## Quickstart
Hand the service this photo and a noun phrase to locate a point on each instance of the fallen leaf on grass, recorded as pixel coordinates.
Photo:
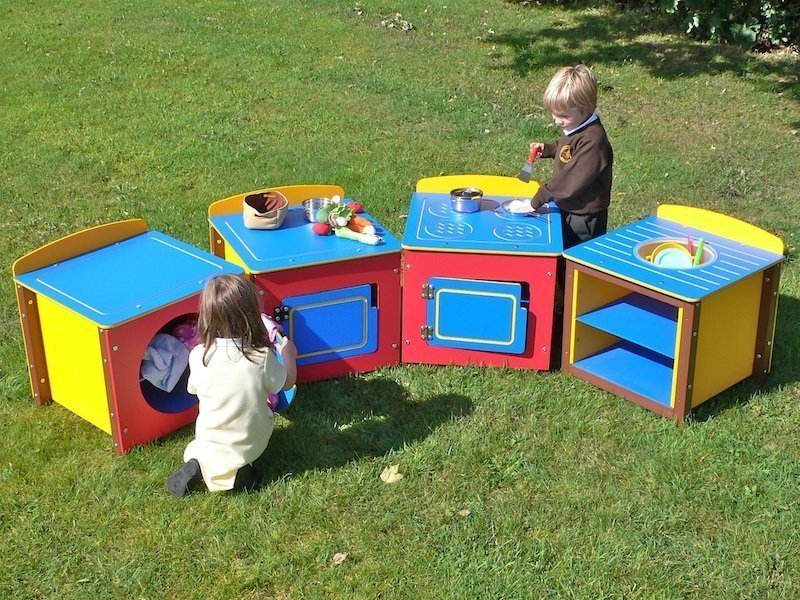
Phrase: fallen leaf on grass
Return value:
(464, 512)
(390, 474)
(339, 557)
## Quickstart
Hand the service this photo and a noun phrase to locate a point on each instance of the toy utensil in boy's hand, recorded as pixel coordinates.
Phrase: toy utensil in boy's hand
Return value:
(525, 173)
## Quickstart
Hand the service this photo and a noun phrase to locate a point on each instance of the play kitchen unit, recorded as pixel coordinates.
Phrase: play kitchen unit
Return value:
(668, 331)
(91, 304)
(337, 299)
(479, 278)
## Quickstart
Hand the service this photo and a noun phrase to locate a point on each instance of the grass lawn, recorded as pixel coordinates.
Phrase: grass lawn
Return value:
(515, 484)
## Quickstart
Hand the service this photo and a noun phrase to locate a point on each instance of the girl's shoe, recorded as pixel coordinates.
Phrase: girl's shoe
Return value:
(185, 479)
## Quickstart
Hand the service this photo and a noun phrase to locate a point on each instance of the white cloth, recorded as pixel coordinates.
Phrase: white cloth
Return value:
(164, 361)
(234, 423)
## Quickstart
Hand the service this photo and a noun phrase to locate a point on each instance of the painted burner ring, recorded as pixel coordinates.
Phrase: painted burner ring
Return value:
(448, 230)
(517, 232)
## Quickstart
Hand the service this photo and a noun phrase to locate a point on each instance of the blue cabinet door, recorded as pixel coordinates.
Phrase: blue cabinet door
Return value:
(332, 324)
(476, 315)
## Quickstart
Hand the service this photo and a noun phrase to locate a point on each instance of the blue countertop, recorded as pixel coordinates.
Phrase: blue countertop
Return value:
(616, 253)
(294, 244)
(127, 279)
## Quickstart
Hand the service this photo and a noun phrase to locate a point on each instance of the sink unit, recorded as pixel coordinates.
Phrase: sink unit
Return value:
(671, 338)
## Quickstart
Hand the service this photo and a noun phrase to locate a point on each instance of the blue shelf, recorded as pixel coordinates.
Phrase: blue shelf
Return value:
(633, 367)
(642, 320)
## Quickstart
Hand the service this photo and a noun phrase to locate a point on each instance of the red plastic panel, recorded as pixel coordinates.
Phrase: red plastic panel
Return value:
(133, 420)
(383, 272)
(539, 272)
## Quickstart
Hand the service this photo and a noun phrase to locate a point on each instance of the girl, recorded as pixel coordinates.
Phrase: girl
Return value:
(231, 371)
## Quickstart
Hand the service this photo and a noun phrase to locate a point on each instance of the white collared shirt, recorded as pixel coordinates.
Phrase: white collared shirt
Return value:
(591, 119)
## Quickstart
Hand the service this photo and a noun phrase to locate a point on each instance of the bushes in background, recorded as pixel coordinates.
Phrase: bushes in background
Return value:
(751, 23)
(762, 24)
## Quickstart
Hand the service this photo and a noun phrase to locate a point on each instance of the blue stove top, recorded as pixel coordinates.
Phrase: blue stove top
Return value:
(433, 225)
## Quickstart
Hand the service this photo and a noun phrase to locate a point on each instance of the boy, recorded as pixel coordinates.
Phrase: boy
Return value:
(581, 182)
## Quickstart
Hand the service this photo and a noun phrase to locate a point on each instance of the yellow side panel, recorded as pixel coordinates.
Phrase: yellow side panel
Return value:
(591, 293)
(232, 256)
(678, 357)
(726, 338)
(492, 185)
(295, 194)
(74, 362)
(722, 225)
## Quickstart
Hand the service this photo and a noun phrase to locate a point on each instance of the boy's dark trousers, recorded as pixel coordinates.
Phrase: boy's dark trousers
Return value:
(582, 228)
(577, 229)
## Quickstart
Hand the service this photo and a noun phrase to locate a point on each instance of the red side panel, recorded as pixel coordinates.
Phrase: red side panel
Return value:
(134, 420)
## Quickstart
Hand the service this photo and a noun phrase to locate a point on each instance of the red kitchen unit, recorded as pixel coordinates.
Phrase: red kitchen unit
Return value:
(338, 300)
(91, 303)
(479, 288)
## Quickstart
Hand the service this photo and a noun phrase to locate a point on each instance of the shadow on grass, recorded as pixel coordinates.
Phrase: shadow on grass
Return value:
(785, 366)
(610, 36)
(338, 421)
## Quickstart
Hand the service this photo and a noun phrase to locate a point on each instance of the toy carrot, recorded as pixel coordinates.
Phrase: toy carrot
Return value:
(361, 225)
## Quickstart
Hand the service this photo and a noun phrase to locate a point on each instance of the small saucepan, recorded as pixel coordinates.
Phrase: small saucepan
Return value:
(466, 200)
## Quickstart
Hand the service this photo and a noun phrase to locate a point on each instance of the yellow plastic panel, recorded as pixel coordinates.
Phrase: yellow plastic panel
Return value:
(587, 341)
(726, 338)
(232, 256)
(678, 357)
(722, 225)
(591, 293)
(295, 194)
(492, 185)
(79, 243)
(74, 362)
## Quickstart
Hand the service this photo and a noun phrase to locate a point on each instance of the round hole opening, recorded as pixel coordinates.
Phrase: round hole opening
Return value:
(674, 253)
(164, 371)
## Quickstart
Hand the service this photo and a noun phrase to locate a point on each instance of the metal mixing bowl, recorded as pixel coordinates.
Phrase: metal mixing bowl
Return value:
(312, 205)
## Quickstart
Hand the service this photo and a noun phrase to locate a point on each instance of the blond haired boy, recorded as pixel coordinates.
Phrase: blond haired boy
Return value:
(581, 182)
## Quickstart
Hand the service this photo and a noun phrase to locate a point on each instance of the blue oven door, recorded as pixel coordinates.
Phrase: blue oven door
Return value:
(476, 315)
(332, 324)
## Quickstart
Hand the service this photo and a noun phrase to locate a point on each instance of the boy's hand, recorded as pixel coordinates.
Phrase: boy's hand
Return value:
(539, 146)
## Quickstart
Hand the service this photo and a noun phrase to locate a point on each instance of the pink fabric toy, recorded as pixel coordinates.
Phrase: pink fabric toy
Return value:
(273, 329)
(187, 333)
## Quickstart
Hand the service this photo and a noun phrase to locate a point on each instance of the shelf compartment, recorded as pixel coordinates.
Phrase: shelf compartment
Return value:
(640, 319)
(634, 368)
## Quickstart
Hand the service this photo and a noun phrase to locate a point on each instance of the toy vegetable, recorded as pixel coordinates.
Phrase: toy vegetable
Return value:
(342, 220)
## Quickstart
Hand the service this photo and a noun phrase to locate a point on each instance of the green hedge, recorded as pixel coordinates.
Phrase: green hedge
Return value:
(763, 24)
(751, 23)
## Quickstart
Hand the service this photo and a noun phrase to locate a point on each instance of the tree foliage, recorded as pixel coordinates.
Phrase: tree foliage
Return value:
(763, 24)
(751, 23)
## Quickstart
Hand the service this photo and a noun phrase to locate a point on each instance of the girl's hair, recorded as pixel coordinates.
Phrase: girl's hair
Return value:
(229, 308)
(571, 87)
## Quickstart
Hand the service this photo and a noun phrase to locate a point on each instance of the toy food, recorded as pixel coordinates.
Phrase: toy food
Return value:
(341, 219)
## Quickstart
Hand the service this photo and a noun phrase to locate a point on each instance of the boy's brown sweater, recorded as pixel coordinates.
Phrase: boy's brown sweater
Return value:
(581, 182)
